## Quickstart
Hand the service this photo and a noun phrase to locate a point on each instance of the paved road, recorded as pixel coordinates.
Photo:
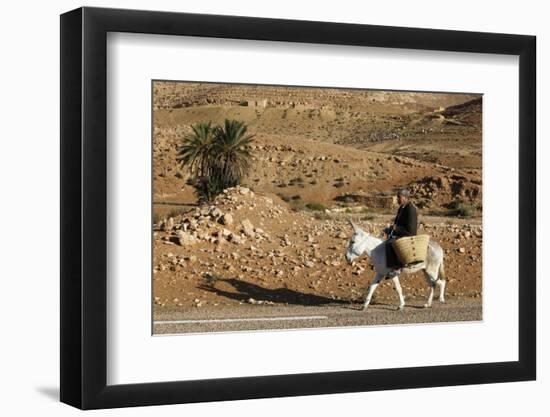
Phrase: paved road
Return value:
(254, 317)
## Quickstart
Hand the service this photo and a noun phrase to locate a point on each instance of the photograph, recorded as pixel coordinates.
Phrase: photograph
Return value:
(288, 207)
(272, 209)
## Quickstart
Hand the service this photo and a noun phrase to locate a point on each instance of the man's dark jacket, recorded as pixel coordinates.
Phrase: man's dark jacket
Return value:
(406, 220)
(405, 225)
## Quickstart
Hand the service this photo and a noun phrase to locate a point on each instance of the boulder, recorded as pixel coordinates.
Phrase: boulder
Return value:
(247, 228)
(193, 224)
(185, 239)
(167, 225)
(191, 259)
(226, 219)
(234, 238)
(215, 213)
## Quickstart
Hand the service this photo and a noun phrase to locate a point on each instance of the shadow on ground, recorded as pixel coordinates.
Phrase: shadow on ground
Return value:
(246, 290)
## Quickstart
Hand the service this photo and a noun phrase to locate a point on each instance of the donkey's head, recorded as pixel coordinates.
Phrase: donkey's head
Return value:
(356, 245)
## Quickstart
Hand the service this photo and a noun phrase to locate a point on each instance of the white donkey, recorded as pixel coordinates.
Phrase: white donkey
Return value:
(361, 242)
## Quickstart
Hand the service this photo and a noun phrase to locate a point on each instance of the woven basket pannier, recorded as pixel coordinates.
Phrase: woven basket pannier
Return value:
(411, 249)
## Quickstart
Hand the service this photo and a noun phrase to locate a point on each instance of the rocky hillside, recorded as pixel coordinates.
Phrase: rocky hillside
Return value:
(252, 248)
(304, 171)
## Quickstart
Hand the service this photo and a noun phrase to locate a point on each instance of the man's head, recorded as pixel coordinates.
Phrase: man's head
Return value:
(403, 195)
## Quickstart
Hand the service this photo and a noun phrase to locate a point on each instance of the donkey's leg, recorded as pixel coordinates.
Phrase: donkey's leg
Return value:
(441, 283)
(372, 287)
(431, 286)
(397, 286)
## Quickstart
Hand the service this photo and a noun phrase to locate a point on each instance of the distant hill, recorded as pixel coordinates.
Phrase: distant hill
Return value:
(174, 95)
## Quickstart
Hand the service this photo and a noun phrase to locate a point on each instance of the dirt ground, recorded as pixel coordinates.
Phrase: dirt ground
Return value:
(270, 254)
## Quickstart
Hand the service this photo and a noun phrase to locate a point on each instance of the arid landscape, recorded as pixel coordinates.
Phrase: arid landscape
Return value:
(276, 242)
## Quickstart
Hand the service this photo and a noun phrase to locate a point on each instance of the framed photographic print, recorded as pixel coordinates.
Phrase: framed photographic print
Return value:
(260, 207)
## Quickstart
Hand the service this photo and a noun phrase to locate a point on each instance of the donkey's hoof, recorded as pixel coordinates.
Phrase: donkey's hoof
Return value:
(401, 307)
(365, 308)
(427, 305)
(442, 301)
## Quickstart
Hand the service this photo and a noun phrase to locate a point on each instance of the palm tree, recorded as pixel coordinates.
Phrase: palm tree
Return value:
(218, 157)
(231, 152)
(196, 150)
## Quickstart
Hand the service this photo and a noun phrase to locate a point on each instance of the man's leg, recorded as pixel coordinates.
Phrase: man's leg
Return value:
(392, 260)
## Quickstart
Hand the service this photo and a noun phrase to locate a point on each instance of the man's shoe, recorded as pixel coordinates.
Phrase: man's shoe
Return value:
(394, 272)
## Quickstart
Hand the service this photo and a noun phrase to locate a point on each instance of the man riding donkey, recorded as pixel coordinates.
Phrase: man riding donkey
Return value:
(386, 262)
(405, 224)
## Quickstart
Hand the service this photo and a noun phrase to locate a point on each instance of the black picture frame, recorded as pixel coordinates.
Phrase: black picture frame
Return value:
(84, 207)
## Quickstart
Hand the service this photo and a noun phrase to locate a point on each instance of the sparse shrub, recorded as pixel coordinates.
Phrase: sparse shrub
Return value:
(176, 212)
(296, 197)
(348, 199)
(321, 216)
(462, 209)
(297, 205)
(422, 203)
(339, 184)
(156, 218)
(465, 210)
(316, 206)
(284, 197)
